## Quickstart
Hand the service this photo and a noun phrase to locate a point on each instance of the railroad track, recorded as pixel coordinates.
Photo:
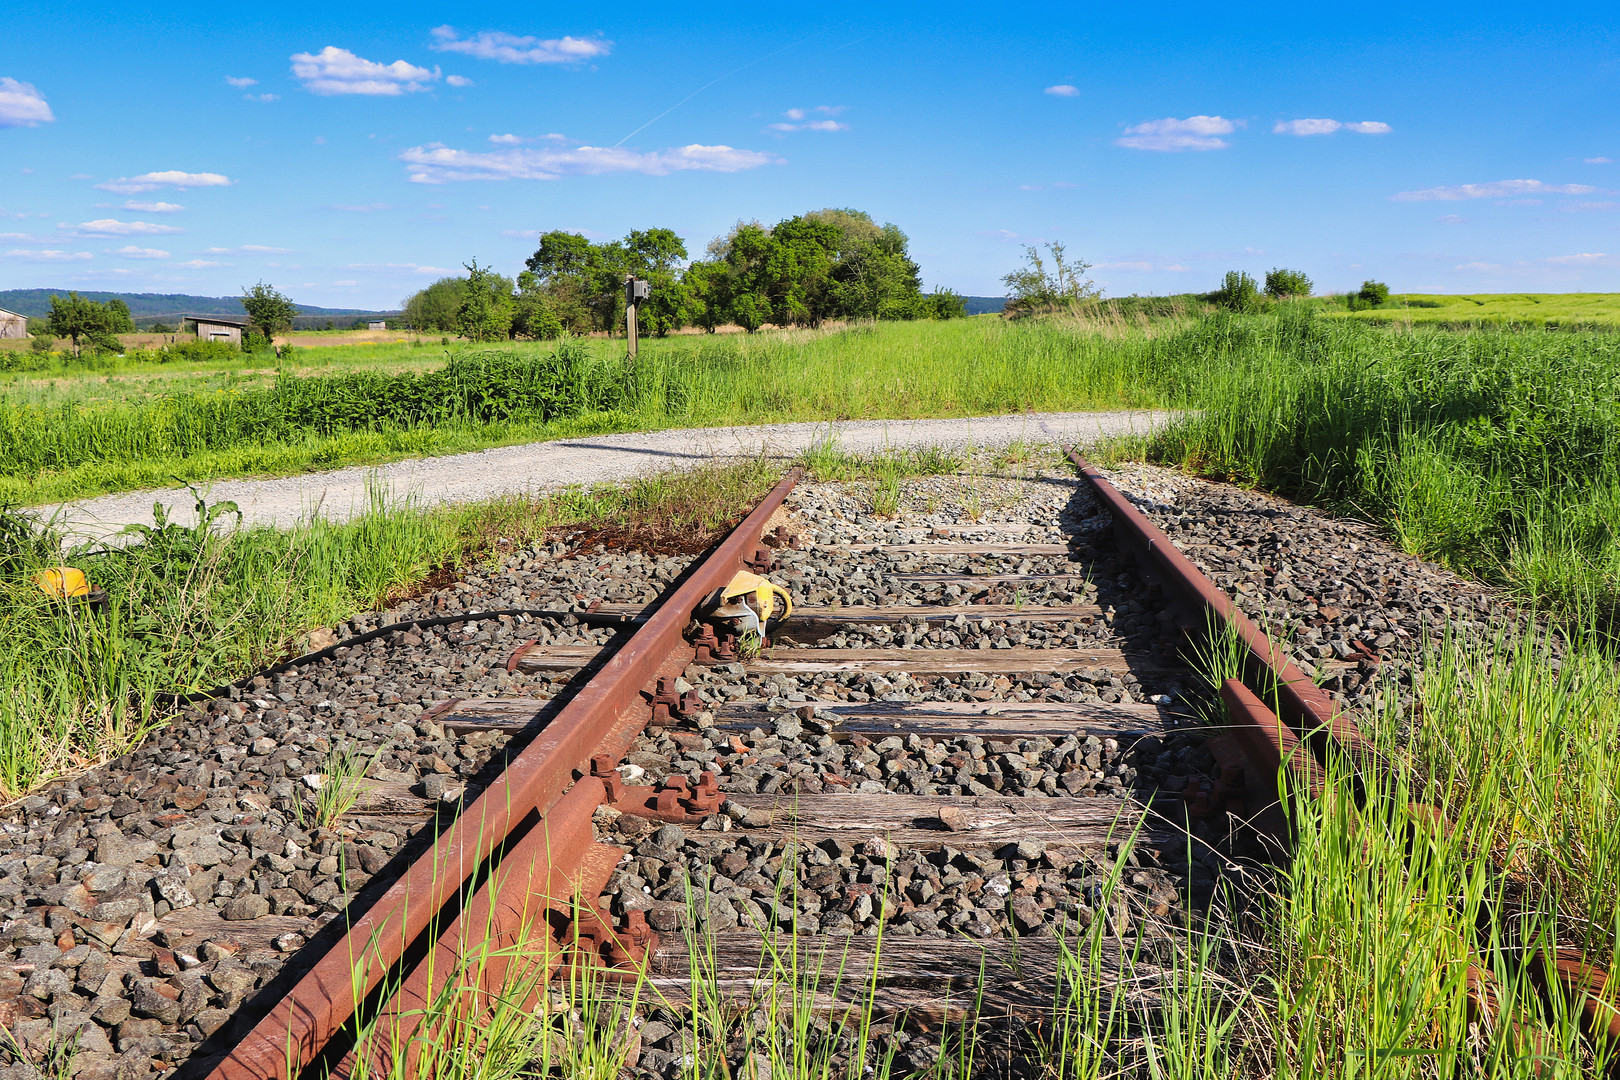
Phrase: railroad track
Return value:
(987, 739)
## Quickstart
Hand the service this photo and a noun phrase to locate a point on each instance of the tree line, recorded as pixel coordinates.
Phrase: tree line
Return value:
(802, 271)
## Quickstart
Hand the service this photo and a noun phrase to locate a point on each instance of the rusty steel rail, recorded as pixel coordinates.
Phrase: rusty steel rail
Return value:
(549, 865)
(1262, 748)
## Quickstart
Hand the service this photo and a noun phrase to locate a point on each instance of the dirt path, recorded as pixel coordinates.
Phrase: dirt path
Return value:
(540, 466)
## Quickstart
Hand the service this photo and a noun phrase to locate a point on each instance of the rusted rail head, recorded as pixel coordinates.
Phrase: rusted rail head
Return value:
(603, 718)
(1299, 699)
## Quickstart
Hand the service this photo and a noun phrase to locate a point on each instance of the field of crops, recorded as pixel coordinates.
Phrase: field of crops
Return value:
(1555, 311)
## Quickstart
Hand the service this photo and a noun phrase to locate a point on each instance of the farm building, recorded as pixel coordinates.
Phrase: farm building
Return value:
(13, 325)
(219, 328)
(379, 324)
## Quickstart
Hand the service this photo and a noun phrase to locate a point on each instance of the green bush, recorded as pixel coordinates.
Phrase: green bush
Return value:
(1373, 292)
(199, 349)
(1238, 292)
(1282, 283)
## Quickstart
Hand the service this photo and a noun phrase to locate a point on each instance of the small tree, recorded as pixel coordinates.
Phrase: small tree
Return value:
(78, 320)
(1238, 292)
(1034, 287)
(1283, 284)
(486, 307)
(268, 311)
(1373, 292)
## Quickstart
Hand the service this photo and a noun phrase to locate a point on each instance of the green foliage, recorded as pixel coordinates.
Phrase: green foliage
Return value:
(197, 349)
(40, 344)
(1238, 292)
(486, 305)
(253, 342)
(269, 312)
(118, 318)
(1283, 284)
(161, 328)
(82, 320)
(436, 307)
(1373, 292)
(1035, 287)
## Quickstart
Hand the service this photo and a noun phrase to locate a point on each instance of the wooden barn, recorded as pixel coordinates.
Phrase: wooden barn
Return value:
(219, 328)
(13, 325)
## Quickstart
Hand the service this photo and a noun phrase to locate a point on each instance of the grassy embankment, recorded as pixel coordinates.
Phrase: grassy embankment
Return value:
(62, 437)
(1551, 311)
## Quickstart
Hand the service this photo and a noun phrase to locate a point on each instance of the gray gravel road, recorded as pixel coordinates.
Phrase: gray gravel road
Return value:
(342, 493)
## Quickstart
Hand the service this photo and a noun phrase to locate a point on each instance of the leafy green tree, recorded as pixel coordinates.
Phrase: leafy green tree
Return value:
(946, 304)
(436, 307)
(78, 320)
(1038, 287)
(486, 308)
(532, 314)
(118, 317)
(1373, 292)
(707, 291)
(165, 328)
(1238, 292)
(268, 311)
(1281, 284)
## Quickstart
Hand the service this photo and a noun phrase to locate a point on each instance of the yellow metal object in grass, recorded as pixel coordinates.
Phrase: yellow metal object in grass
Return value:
(63, 583)
(752, 600)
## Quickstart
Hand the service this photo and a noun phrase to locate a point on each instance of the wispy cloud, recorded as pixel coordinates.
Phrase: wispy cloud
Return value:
(803, 120)
(1172, 135)
(240, 83)
(153, 207)
(49, 256)
(362, 208)
(458, 80)
(199, 264)
(1587, 207)
(21, 105)
(261, 97)
(334, 71)
(436, 164)
(519, 140)
(1499, 189)
(130, 185)
(1328, 127)
(1062, 90)
(407, 268)
(519, 49)
(111, 227)
(1598, 161)
(1582, 258)
(1451, 219)
(249, 249)
(130, 251)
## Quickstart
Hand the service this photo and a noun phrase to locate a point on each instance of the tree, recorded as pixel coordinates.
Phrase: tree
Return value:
(118, 317)
(1033, 287)
(81, 320)
(1373, 292)
(486, 307)
(268, 311)
(1282, 284)
(1238, 292)
(436, 307)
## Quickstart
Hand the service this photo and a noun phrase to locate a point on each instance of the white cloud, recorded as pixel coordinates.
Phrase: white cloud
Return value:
(261, 97)
(507, 140)
(335, 71)
(347, 283)
(1451, 219)
(250, 249)
(1062, 90)
(130, 251)
(1478, 266)
(1598, 161)
(110, 227)
(515, 49)
(1142, 267)
(1499, 189)
(1170, 134)
(801, 122)
(199, 264)
(240, 83)
(435, 164)
(1328, 127)
(1599, 205)
(1578, 259)
(1306, 127)
(48, 256)
(153, 207)
(409, 268)
(458, 80)
(21, 105)
(363, 208)
(130, 185)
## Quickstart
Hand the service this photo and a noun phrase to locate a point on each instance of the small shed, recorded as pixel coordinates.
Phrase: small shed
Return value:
(13, 325)
(219, 328)
(377, 324)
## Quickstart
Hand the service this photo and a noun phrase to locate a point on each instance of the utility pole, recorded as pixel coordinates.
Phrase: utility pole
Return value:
(635, 290)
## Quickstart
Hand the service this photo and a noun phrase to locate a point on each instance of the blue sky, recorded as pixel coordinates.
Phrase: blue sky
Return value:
(351, 154)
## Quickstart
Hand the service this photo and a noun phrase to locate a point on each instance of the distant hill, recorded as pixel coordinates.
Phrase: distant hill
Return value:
(976, 305)
(148, 308)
